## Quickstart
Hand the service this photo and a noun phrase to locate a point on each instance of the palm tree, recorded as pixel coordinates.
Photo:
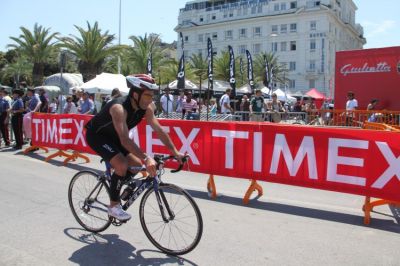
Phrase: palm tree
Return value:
(20, 69)
(199, 66)
(221, 66)
(279, 71)
(91, 48)
(37, 47)
(143, 46)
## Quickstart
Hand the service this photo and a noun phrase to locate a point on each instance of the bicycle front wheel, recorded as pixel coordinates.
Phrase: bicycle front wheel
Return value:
(88, 198)
(171, 219)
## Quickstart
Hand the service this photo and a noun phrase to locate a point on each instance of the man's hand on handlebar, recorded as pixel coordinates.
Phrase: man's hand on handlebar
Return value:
(151, 166)
(180, 157)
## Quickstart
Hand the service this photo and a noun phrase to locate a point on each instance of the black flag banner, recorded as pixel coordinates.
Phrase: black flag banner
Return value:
(210, 71)
(150, 64)
(266, 75)
(241, 66)
(250, 75)
(181, 38)
(232, 79)
(181, 73)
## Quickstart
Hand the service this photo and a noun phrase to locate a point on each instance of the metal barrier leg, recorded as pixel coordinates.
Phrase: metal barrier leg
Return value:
(212, 190)
(369, 206)
(253, 187)
(58, 153)
(75, 155)
(33, 148)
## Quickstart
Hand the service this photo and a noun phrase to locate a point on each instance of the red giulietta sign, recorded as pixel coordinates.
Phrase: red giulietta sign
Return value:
(370, 74)
(354, 161)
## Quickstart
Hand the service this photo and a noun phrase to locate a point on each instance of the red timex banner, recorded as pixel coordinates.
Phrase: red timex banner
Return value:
(370, 74)
(354, 161)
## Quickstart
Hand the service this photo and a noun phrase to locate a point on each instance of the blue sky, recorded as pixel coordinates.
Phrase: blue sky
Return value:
(381, 20)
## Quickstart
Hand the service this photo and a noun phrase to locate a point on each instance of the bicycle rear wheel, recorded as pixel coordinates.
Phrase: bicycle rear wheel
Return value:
(88, 198)
(180, 229)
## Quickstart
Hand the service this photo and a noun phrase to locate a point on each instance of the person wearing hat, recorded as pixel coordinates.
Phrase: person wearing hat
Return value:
(4, 110)
(17, 110)
(87, 105)
(33, 105)
(167, 102)
(351, 105)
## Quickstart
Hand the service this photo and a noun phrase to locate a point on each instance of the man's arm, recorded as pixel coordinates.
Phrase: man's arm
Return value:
(39, 103)
(165, 139)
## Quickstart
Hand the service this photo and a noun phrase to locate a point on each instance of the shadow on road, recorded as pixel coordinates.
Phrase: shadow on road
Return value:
(380, 224)
(109, 249)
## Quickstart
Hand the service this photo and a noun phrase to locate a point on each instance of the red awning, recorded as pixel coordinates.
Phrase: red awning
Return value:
(314, 93)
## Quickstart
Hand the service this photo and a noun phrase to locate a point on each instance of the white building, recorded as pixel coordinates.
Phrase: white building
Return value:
(305, 34)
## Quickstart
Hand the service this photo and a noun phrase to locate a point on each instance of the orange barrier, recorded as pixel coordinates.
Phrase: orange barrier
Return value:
(69, 157)
(355, 118)
(33, 148)
(254, 186)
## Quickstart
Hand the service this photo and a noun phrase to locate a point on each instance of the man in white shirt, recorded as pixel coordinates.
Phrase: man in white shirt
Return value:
(167, 102)
(351, 105)
(225, 102)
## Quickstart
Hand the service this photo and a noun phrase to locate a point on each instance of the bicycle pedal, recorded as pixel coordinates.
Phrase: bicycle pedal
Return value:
(117, 222)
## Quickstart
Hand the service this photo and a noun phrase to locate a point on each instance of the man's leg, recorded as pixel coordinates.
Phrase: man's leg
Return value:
(120, 165)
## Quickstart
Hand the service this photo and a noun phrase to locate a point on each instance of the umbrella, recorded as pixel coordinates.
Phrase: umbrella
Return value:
(314, 93)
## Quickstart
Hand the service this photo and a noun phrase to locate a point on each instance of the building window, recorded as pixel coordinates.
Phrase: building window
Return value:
(242, 33)
(225, 14)
(257, 31)
(283, 28)
(313, 45)
(274, 28)
(215, 36)
(253, 9)
(259, 9)
(293, 27)
(186, 38)
(228, 35)
(274, 46)
(200, 52)
(201, 19)
(313, 25)
(200, 37)
(276, 7)
(244, 11)
(293, 4)
(283, 6)
(312, 83)
(206, 36)
(242, 49)
(311, 66)
(292, 84)
(256, 48)
(293, 46)
(231, 14)
(292, 66)
(214, 17)
(283, 46)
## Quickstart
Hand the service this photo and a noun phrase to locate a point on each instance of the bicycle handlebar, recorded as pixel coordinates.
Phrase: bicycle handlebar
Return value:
(162, 158)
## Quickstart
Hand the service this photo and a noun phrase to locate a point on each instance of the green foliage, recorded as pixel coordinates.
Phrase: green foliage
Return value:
(36, 46)
(92, 48)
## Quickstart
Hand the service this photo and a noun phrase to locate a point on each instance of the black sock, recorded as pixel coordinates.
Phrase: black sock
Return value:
(115, 187)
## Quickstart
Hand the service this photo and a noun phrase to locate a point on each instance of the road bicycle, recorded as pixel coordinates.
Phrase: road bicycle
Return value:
(169, 216)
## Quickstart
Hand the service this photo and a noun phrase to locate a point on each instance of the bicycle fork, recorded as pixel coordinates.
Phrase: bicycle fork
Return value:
(162, 201)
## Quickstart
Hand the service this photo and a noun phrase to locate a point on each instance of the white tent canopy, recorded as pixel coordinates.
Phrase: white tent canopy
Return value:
(219, 86)
(67, 81)
(189, 85)
(284, 97)
(105, 83)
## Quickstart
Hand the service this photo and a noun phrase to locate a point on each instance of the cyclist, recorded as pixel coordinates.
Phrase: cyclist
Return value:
(108, 135)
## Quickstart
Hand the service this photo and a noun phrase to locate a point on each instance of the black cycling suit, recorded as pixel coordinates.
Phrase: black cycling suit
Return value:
(101, 135)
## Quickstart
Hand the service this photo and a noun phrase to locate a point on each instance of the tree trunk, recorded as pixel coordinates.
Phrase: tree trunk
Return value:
(88, 71)
(37, 74)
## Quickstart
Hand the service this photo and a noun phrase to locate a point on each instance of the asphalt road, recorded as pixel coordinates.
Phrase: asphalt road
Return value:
(286, 226)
